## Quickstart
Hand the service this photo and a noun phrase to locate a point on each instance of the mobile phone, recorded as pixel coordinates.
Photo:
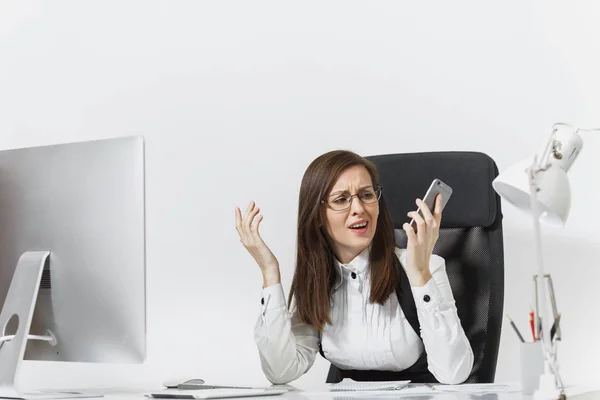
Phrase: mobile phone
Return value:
(436, 187)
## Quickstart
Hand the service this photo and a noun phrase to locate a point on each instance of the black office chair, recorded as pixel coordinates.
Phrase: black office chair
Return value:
(470, 238)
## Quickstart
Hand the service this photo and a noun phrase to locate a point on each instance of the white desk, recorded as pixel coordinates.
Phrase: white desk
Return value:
(575, 393)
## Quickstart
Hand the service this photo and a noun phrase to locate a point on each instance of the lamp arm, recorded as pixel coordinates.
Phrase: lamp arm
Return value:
(540, 318)
(541, 321)
(589, 130)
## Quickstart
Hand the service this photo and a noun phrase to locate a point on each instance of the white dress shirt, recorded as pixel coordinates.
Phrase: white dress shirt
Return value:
(365, 336)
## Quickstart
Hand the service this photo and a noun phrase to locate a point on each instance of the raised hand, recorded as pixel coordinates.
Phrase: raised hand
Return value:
(247, 227)
(420, 243)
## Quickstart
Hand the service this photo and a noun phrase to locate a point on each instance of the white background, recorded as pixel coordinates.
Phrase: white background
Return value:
(235, 99)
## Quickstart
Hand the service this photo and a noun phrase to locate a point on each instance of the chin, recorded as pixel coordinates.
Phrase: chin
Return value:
(360, 244)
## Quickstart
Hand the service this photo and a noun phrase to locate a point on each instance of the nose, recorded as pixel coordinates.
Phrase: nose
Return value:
(356, 207)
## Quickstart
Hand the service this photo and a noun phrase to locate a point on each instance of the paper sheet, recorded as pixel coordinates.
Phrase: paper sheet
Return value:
(350, 385)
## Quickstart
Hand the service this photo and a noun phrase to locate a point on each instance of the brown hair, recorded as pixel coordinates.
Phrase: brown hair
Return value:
(316, 273)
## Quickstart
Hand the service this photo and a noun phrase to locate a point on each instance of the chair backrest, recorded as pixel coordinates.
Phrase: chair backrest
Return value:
(470, 238)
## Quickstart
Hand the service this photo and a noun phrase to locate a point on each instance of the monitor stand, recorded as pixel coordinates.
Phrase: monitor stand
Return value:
(17, 315)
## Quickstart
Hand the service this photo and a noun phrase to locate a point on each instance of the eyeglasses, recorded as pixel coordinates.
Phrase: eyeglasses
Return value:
(342, 201)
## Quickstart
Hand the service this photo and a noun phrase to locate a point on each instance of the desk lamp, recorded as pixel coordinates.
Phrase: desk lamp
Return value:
(539, 185)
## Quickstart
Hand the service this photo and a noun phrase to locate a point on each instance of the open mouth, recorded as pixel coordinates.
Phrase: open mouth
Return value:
(359, 226)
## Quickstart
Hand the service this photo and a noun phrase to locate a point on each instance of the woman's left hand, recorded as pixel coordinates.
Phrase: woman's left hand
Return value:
(420, 243)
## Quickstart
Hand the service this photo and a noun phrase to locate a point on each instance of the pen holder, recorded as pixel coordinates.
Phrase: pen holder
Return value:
(532, 366)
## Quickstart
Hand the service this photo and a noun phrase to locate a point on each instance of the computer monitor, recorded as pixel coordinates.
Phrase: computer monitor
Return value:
(84, 203)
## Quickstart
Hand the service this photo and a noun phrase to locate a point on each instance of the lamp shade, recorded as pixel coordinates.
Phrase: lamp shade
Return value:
(554, 191)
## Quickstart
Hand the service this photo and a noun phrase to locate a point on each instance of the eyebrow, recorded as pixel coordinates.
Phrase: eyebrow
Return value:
(347, 191)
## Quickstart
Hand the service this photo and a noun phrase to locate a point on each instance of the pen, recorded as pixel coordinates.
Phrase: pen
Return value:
(532, 324)
(554, 327)
(515, 328)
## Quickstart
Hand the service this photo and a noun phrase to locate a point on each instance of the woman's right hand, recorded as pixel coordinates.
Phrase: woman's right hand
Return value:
(247, 228)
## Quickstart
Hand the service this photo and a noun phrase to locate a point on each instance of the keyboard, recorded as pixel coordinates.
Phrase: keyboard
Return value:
(221, 393)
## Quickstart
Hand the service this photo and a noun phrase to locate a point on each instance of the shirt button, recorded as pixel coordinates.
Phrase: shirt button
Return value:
(262, 301)
(353, 275)
(426, 298)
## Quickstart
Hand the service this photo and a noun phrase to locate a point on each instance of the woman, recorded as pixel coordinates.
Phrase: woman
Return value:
(344, 286)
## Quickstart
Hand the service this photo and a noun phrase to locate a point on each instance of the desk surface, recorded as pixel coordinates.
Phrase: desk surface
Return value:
(495, 392)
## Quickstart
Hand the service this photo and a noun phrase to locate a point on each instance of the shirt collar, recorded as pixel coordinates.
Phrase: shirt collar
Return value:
(358, 265)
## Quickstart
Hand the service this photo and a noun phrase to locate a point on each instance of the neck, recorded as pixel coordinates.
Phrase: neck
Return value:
(345, 255)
